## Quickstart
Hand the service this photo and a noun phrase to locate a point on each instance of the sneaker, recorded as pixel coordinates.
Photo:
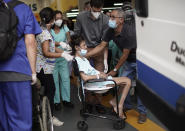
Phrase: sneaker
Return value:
(142, 118)
(57, 122)
(68, 104)
(58, 107)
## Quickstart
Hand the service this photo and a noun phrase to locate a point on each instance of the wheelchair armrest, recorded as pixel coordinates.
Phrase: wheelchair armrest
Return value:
(95, 80)
(100, 80)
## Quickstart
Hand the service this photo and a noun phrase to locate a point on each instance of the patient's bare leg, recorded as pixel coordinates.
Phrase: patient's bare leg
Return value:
(124, 84)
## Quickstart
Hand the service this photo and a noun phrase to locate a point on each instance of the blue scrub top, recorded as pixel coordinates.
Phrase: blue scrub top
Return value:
(27, 25)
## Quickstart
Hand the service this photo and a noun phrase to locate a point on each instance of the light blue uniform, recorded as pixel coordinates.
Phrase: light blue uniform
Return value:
(61, 70)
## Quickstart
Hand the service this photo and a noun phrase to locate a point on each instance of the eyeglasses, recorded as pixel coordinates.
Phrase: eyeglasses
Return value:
(111, 16)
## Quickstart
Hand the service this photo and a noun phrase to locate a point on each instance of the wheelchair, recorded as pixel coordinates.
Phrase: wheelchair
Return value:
(42, 117)
(82, 124)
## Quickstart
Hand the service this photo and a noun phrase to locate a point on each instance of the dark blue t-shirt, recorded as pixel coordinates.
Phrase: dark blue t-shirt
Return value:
(27, 25)
(125, 40)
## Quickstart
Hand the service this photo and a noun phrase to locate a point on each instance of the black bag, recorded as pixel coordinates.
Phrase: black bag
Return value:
(8, 29)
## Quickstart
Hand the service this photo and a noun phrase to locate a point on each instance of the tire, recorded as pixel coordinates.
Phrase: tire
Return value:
(41, 124)
(118, 125)
(46, 115)
(82, 125)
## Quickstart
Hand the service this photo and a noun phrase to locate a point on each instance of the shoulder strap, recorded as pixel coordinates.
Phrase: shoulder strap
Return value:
(14, 3)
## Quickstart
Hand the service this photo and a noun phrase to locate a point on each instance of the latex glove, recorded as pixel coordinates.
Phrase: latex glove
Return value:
(67, 56)
(65, 46)
(34, 79)
(105, 66)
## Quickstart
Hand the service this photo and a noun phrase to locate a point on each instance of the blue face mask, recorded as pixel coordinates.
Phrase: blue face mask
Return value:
(112, 24)
(83, 52)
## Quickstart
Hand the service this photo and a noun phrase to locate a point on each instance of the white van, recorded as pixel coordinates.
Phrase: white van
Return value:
(160, 28)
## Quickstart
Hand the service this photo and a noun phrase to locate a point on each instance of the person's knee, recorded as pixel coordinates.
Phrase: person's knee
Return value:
(128, 82)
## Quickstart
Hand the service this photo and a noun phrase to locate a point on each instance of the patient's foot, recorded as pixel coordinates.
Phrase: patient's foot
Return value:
(121, 114)
(113, 104)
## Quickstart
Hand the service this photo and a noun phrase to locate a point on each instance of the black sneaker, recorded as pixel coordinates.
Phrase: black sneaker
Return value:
(58, 107)
(68, 104)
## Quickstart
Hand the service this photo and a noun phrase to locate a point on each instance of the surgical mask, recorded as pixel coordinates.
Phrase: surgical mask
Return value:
(95, 14)
(58, 22)
(83, 52)
(112, 24)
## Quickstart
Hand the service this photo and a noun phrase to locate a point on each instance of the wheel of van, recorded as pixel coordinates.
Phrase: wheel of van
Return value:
(46, 115)
(82, 125)
(119, 124)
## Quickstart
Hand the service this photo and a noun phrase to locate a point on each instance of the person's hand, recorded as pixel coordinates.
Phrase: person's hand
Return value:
(34, 79)
(65, 46)
(112, 73)
(67, 56)
(105, 66)
(103, 75)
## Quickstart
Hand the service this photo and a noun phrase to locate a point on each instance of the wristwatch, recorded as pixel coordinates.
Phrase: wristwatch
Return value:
(115, 70)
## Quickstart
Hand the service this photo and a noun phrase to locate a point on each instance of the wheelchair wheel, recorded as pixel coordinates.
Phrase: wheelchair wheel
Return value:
(46, 115)
(82, 125)
(41, 124)
(119, 124)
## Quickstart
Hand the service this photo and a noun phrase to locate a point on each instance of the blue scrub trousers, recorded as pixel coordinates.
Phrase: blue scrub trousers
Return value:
(62, 80)
(129, 70)
(15, 106)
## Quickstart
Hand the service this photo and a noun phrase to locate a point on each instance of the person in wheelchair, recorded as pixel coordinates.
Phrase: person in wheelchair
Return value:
(87, 72)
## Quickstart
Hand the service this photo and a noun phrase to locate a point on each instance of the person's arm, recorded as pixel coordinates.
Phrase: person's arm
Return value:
(91, 77)
(48, 54)
(120, 62)
(31, 49)
(46, 51)
(97, 49)
(68, 37)
(105, 60)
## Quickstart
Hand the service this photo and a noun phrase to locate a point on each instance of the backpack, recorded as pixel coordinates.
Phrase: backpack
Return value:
(8, 29)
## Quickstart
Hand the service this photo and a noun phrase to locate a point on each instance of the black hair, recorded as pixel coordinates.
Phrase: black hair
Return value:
(97, 3)
(59, 12)
(129, 13)
(46, 15)
(86, 3)
(75, 41)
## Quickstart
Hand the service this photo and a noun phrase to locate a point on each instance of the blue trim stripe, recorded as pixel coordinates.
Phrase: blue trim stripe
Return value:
(163, 86)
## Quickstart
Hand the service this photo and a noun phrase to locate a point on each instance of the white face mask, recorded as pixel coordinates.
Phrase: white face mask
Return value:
(83, 52)
(58, 22)
(95, 14)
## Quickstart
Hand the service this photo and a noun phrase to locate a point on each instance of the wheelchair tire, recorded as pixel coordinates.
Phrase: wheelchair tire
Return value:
(41, 124)
(82, 125)
(46, 115)
(119, 124)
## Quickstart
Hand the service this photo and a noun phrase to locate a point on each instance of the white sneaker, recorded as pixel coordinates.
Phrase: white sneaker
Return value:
(57, 122)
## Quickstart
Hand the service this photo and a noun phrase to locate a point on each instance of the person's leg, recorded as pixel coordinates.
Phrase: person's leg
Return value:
(56, 81)
(49, 87)
(18, 104)
(130, 71)
(124, 84)
(126, 71)
(65, 81)
(3, 114)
